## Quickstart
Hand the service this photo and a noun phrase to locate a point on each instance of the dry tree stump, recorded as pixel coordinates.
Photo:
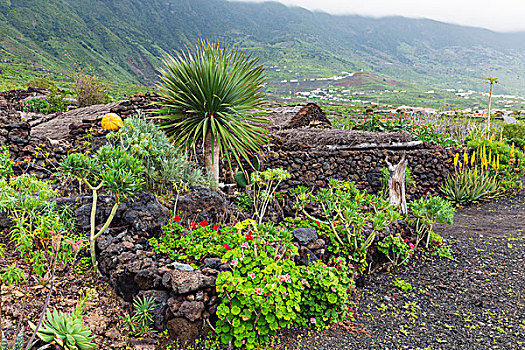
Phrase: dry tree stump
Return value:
(396, 184)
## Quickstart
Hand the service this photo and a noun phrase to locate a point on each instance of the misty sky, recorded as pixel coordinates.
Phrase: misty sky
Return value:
(499, 15)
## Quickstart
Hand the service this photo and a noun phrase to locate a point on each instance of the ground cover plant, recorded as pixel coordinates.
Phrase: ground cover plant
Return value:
(265, 291)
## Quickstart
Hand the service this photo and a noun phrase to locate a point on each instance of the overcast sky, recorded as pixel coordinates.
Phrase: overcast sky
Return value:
(499, 15)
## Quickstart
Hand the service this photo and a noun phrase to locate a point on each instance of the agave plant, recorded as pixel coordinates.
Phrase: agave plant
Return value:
(65, 330)
(212, 95)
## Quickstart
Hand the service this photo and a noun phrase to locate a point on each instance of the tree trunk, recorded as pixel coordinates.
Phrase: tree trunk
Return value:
(211, 161)
(490, 101)
(396, 184)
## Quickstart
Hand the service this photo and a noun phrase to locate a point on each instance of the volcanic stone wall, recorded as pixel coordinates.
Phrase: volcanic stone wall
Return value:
(429, 165)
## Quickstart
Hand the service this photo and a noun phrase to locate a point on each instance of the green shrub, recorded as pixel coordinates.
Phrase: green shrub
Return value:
(324, 298)
(266, 291)
(518, 143)
(347, 212)
(166, 167)
(513, 131)
(42, 82)
(112, 171)
(90, 90)
(396, 249)
(261, 294)
(35, 218)
(56, 102)
(36, 105)
(6, 163)
(202, 241)
(140, 323)
(426, 212)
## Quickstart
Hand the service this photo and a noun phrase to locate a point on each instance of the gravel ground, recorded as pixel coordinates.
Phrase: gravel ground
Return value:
(476, 301)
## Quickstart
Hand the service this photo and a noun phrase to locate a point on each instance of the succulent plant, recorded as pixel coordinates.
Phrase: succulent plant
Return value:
(65, 330)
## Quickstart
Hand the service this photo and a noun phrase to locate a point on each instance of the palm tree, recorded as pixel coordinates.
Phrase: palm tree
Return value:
(491, 81)
(211, 97)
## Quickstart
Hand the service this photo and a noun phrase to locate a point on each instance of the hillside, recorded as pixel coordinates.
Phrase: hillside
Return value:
(123, 41)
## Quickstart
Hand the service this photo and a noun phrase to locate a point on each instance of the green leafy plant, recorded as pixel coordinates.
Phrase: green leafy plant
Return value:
(6, 163)
(324, 298)
(470, 186)
(403, 285)
(513, 131)
(11, 274)
(166, 167)
(36, 105)
(261, 294)
(244, 201)
(343, 209)
(426, 213)
(396, 249)
(211, 97)
(443, 251)
(193, 245)
(65, 330)
(112, 170)
(34, 218)
(263, 187)
(140, 323)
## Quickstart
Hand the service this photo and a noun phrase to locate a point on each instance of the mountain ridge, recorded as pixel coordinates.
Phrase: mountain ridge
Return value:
(124, 40)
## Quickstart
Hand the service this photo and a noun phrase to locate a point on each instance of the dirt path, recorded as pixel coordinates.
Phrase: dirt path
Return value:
(476, 301)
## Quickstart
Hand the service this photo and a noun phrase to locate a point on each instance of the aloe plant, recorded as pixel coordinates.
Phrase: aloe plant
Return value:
(18, 344)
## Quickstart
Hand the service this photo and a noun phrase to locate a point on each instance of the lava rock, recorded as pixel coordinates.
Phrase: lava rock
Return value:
(307, 257)
(203, 204)
(305, 235)
(182, 267)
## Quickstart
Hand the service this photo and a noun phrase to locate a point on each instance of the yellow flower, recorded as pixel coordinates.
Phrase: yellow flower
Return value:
(497, 165)
(473, 159)
(456, 158)
(465, 158)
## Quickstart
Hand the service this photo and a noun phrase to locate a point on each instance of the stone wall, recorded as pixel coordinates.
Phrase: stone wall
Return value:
(429, 165)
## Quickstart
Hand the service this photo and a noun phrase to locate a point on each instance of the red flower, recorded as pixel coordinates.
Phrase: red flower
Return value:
(177, 218)
(226, 246)
(194, 225)
(203, 223)
(215, 228)
(249, 237)
(317, 223)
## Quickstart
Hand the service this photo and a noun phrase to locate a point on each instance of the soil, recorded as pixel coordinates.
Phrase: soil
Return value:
(476, 301)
